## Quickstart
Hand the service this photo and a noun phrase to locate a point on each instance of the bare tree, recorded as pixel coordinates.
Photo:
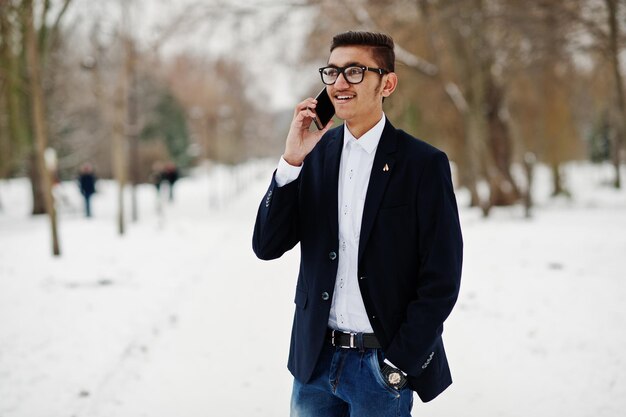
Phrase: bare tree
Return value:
(600, 21)
(20, 129)
(462, 66)
(39, 120)
(462, 70)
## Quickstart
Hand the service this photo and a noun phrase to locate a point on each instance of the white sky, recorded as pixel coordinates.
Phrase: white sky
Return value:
(270, 50)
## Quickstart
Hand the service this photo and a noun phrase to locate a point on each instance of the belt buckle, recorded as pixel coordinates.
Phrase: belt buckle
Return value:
(335, 342)
(352, 343)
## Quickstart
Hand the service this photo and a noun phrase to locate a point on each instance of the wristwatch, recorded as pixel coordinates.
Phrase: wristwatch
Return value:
(393, 376)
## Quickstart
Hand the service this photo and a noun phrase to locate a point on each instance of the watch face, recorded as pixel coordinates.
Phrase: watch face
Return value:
(394, 378)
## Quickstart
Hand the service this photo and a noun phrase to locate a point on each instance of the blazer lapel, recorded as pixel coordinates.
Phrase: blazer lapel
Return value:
(331, 180)
(382, 170)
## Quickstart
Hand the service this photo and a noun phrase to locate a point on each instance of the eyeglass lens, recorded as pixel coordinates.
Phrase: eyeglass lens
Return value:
(353, 75)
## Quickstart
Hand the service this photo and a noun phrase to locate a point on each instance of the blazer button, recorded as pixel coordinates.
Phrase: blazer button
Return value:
(325, 296)
(332, 255)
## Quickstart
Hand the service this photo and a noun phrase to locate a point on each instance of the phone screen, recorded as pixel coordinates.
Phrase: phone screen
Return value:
(324, 109)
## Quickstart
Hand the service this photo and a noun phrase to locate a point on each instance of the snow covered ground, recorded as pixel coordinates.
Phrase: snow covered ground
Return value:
(178, 318)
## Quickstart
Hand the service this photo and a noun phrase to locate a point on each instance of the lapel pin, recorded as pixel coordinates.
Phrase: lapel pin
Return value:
(386, 168)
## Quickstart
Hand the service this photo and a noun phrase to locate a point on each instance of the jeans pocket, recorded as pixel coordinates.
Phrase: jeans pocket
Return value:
(376, 361)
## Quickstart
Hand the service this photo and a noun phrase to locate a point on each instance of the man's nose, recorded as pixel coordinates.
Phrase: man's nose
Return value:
(341, 82)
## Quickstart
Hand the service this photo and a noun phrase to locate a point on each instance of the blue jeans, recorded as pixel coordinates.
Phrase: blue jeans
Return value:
(347, 382)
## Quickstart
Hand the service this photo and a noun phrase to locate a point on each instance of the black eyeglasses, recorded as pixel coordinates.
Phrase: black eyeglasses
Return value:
(353, 74)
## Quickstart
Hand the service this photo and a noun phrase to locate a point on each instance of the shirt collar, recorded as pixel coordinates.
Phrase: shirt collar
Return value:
(369, 140)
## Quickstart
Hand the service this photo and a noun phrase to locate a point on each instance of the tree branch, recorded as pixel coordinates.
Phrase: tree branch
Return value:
(55, 26)
(43, 31)
(363, 17)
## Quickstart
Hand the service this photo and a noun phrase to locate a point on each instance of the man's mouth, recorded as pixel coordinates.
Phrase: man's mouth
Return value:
(342, 98)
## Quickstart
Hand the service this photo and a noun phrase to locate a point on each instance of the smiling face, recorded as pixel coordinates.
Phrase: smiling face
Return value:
(360, 105)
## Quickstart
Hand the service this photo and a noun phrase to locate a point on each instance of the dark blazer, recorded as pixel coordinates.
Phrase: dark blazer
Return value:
(410, 252)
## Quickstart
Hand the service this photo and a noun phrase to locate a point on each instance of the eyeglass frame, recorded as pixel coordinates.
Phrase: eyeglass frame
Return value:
(379, 71)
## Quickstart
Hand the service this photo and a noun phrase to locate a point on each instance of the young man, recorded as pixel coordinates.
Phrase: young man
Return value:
(375, 214)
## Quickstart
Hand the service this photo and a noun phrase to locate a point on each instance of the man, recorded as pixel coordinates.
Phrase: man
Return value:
(375, 214)
(87, 185)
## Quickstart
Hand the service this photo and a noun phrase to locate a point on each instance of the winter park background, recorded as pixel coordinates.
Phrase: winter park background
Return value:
(173, 315)
(179, 317)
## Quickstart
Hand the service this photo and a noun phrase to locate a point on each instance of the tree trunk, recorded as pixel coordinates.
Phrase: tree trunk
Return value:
(118, 146)
(132, 127)
(618, 141)
(36, 184)
(118, 156)
(475, 137)
(6, 57)
(529, 166)
(473, 66)
(505, 191)
(39, 121)
(557, 180)
(17, 123)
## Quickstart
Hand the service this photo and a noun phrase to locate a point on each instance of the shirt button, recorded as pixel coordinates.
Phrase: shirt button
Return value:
(332, 255)
(325, 296)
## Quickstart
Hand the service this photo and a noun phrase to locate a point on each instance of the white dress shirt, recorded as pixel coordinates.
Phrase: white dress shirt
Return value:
(347, 311)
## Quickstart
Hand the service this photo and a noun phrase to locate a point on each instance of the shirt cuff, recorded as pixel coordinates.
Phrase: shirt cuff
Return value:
(286, 173)
(388, 362)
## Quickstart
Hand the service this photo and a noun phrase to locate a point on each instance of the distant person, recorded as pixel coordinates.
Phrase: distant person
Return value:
(156, 176)
(374, 213)
(87, 185)
(170, 174)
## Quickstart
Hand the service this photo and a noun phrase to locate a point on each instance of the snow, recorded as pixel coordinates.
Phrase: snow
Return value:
(178, 317)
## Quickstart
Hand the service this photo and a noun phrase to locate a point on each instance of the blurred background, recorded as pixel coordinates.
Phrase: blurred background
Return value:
(122, 99)
(129, 83)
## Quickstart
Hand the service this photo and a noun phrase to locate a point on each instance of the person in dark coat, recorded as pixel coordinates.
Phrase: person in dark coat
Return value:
(170, 174)
(87, 185)
(374, 213)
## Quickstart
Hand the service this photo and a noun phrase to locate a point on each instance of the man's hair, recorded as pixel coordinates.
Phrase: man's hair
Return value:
(380, 44)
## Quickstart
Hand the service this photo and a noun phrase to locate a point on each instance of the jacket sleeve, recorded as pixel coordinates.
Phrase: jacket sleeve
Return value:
(276, 227)
(438, 277)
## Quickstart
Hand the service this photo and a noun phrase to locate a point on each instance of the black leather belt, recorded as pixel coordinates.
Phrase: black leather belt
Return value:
(352, 340)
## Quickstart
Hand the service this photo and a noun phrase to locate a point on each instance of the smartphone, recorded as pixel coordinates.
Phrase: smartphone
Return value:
(324, 109)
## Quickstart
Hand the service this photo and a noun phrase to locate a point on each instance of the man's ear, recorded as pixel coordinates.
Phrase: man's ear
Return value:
(391, 82)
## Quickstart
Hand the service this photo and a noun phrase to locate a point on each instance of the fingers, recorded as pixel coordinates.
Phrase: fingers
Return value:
(304, 118)
(308, 103)
(305, 108)
(304, 115)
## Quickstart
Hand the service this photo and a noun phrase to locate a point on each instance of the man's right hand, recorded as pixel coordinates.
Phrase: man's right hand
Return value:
(301, 141)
